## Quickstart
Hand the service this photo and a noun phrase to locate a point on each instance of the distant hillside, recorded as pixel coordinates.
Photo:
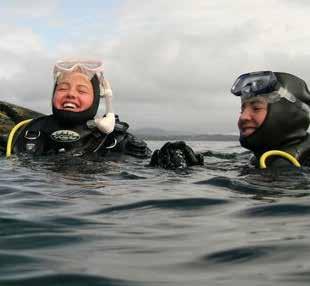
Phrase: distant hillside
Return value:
(156, 132)
(160, 134)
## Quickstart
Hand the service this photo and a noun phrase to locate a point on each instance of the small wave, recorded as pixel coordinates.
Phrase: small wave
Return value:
(238, 255)
(9, 260)
(71, 222)
(273, 210)
(68, 280)
(237, 185)
(5, 190)
(188, 203)
(130, 176)
(35, 204)
(221, 155)
(14, 265)
(296, 277)
(260, 186)
(14, 226)
(26, 242)
(256, 254)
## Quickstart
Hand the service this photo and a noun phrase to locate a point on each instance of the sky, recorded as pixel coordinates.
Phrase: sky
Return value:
(171, 63)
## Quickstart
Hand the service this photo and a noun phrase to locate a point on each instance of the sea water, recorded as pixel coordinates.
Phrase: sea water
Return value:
(75, 222)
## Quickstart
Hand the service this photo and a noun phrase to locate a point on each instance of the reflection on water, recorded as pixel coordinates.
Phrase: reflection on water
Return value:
(81, 222)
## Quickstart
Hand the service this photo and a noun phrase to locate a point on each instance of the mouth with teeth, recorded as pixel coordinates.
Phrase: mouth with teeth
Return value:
(72, 106)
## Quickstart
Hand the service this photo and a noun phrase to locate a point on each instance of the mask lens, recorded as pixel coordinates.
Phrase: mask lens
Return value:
(88, 65)
(92, 65)
(258, 85)
(254, 83)
(89, 68)
(66, 65)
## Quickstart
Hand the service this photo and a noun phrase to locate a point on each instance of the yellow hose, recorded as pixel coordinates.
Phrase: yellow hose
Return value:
(11, 136)
(291, 158)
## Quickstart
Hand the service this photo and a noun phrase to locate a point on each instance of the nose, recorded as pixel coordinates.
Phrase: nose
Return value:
(71, 93)
(245, 114)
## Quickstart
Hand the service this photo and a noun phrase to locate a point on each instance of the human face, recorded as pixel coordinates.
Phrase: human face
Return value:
(74, 92)
(252, 115)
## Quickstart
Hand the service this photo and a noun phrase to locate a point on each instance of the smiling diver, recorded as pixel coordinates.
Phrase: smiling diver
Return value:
(73, 127)
(274, 117)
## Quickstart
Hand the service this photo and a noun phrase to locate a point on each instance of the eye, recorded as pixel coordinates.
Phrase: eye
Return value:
(81, 91)
(62, 89)
(258, 108)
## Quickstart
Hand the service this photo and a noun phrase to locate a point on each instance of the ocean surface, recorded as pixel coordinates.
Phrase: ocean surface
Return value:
(75, 222)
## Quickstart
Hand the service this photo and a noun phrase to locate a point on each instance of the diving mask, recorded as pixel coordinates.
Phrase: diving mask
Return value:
(255, 83)
(89, 68)
(273, 86)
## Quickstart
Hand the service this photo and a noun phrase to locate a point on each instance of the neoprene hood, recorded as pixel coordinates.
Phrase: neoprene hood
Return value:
(73, 118)
(287, 118)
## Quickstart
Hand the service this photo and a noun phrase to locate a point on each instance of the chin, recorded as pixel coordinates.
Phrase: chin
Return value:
(247, 133)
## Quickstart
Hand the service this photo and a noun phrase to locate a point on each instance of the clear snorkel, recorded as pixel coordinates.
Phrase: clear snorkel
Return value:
(91, 68)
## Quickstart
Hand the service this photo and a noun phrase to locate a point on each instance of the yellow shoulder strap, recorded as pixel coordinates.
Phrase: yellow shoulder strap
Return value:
(288, 156)
(11, 136)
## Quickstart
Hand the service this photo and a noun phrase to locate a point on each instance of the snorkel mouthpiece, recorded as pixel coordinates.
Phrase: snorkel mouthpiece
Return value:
(106, 124)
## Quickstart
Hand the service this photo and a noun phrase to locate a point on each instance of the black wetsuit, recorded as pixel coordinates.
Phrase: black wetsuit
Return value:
(47, 136)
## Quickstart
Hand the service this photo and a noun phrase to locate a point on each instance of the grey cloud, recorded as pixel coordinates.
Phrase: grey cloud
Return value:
(31, 86)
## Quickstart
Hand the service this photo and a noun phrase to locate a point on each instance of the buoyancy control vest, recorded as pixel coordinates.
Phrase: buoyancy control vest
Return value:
(47, 136)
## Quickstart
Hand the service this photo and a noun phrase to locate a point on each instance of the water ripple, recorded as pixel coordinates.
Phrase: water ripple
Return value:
(68, 280)
(296, 277)
(14, 226)
(12, 263)
(239, 255)
(188, 203)
(78, 222)
(28, 242)
(273, 210)
(255, 254)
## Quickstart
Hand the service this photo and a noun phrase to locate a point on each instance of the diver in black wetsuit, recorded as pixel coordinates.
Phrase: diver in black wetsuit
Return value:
(274, 116)
(73, 129)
